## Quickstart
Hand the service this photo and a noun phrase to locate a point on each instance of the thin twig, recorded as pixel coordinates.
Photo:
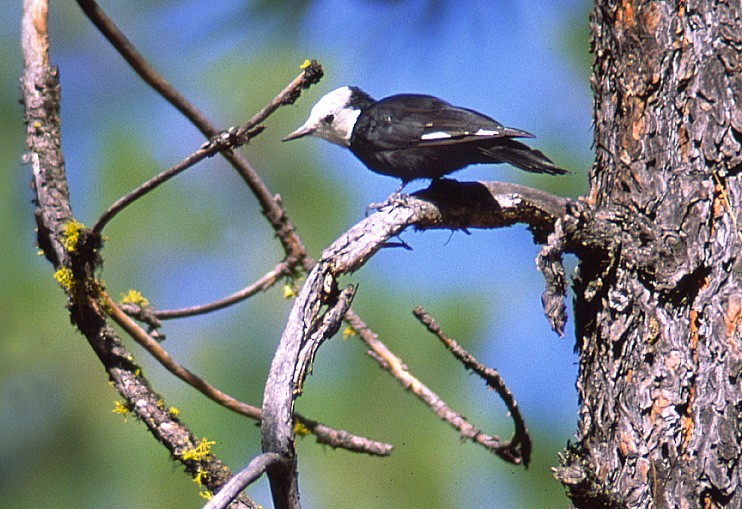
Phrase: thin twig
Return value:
(325, 435)
(341, 439)
(137, 62)
(159, 353)
(226, 141)
(397, 368)
(270, 204)
(242, 480)
(494, 380)
(284, 268)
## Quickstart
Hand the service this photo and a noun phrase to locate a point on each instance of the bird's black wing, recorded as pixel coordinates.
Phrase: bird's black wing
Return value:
(421, 120)
(419, 136)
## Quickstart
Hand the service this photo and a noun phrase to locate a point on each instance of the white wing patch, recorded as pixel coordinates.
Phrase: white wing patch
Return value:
(441, 135)
(436, 136)
(486, 132)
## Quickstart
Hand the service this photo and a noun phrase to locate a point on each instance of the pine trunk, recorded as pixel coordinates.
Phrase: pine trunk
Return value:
(658, 307)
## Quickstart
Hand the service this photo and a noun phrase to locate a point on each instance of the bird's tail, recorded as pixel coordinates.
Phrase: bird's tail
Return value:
(521, 156)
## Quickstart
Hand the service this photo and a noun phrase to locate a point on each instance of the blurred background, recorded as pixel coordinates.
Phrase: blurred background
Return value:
(202, 236)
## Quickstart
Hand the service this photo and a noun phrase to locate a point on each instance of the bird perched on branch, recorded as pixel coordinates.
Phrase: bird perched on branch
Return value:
(413, 136)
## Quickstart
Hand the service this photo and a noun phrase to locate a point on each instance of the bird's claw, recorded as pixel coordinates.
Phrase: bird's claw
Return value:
(393, 199)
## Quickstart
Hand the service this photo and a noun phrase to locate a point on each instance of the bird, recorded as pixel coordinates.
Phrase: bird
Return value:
(414, 136)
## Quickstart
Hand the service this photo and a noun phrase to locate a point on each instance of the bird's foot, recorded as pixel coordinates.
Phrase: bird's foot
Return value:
(392, 199)
(395, 197)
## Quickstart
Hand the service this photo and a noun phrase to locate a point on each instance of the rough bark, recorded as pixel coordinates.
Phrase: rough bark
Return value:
(658, 299)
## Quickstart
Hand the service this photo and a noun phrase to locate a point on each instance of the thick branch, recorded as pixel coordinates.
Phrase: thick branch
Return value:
(40, 89)
(447, 205)
(290, 365)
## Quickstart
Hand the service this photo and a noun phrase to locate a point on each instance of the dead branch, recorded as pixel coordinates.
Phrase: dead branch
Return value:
(242, 480)
(76, 262)
(271, 206)
(480, 205)
(518, 448)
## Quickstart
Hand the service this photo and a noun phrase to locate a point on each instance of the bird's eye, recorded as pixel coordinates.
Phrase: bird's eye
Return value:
(329, 119)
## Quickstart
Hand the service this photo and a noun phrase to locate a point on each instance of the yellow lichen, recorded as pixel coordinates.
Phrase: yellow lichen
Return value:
(199, 477)
(71, 235)
(134, 297)
(348, 332)
(198, 453)
(206, 494)
(306, 64)
(300, 429)
(288, 291)
(66, 280)
(174, 412)
(119, 408)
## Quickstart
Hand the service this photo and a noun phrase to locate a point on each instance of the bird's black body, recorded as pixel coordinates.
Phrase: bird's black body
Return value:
(418, 136)
(389, 138)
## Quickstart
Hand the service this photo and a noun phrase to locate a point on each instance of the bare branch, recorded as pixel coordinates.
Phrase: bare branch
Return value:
(242, 480)
(270, 204)
(226, 141)
(344, 440)
(519, 447)
(76, 262)
(137, 62)
(397, 368)
(325, 435)
(40, 88)
(283, 269)
(493, 205)
(307, 328)
(447, 205)
(159, 353)
(482, 205)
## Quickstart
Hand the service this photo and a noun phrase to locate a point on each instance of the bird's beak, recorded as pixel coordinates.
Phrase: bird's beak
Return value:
(302, 131)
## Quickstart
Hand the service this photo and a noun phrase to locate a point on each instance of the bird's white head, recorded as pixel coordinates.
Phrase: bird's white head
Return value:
(331, 119)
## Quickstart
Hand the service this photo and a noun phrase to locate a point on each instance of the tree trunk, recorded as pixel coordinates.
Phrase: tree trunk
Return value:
(658, 307)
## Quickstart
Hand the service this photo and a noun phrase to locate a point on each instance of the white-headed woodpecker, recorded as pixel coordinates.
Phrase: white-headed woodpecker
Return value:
(412, 136)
